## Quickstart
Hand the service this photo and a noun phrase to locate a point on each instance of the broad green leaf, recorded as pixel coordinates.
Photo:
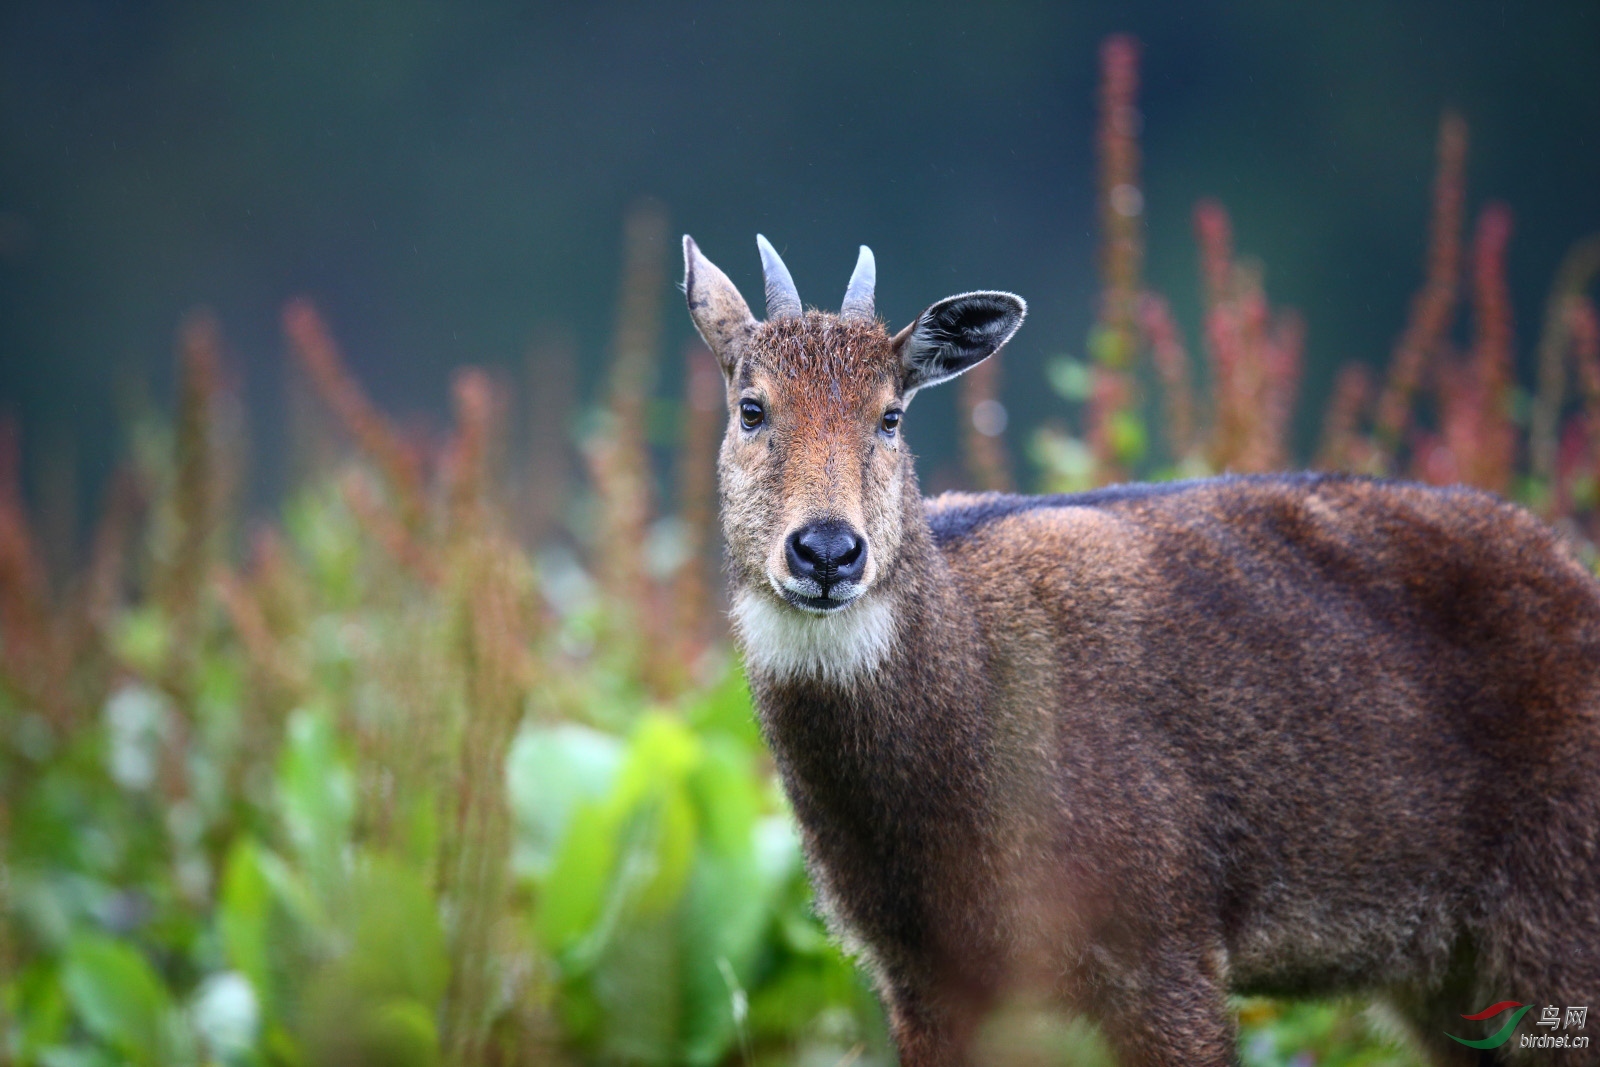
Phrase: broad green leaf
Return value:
(727, 796)
(345, 1028)
(36, 1006)
(1126, 433)
(575, 890)
(243, 913)
(119, 998)
(376, 1003)
(672, 843)
(723, 918)
(549, 772)
(740, 877)
(290, 891)
(417, 830)
(631, 851)
(398, 944)
(727, 709)
(1071, 379)
(400, 1033)
(662, 749)
(142, 638)
(316, 794)
(637, 985)
(777, 848)
(75, 1056)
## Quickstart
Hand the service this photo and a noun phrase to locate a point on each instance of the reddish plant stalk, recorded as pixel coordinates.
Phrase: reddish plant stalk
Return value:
(387, 530)
(469, 450)
(1172, 368)
(1224, 336)
(1433, 307)
(1344, 447)
(697, 465)
(1490, 453)
(399, 462)
(1122, 249)
(195, 494)
(552, 398)
(619, 456)
(1583, 327)
(1578, 268)
(1283, 357)
(24, 589)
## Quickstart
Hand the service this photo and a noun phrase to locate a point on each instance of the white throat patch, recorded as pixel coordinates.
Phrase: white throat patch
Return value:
(838, 647)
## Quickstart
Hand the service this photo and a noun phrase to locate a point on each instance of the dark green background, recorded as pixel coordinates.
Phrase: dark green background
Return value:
(448, 179)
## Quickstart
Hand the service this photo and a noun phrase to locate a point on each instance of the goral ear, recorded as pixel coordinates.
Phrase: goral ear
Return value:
(719, 312)
(956, 334)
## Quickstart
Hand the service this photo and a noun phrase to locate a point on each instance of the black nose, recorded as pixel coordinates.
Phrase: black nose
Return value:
(827, 553)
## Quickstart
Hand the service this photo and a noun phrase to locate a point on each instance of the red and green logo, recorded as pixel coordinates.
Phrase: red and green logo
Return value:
(1500, 1036)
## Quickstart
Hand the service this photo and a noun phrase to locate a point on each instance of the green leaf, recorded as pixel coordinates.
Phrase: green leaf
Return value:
(36, 1006)
(631, 852)
(243, 913)
(398, 944)
(672, 844)
(1110, 347)
(575, 889)
(729, 903)
(724, 916)
(377, 1002)
(316, 794)
(1071, 379)
(74, 1056)
(727, 796)
(727, 709)
(119, 998)
(662, 749)
(344, 1028)
(401, 1033)
(550, 771)
(1068, 463)
(1125, 432)
(142, 638)
(637, 988)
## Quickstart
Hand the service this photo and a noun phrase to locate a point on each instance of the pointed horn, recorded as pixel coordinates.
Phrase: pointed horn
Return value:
(783, 299)
(857, 306)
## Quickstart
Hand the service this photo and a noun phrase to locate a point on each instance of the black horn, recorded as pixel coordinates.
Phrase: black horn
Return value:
(783, 299)
(857, 306)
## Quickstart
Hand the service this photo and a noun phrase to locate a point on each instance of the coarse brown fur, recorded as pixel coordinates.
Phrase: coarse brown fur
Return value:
(1140, 748)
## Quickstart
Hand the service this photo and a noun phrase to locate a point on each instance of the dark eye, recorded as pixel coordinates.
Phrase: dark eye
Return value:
(751, 414)
(891, 421)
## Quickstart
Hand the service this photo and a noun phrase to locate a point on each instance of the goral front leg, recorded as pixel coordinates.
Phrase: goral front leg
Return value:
(932, 1028)
(1169, 1010)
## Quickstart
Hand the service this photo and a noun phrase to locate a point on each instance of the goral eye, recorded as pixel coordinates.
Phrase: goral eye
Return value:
(891, 421)
(751, 414)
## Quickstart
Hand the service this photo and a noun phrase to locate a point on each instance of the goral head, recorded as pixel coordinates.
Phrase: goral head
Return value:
(813, 468)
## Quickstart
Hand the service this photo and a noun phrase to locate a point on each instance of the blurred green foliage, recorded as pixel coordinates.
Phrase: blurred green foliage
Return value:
(400, 792)
(174, 895)
(341, 810)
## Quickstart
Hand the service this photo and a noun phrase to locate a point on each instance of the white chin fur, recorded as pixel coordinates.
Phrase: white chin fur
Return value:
(784, 642)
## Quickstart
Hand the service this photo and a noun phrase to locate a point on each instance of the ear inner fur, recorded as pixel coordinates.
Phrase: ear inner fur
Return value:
(956, 334)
